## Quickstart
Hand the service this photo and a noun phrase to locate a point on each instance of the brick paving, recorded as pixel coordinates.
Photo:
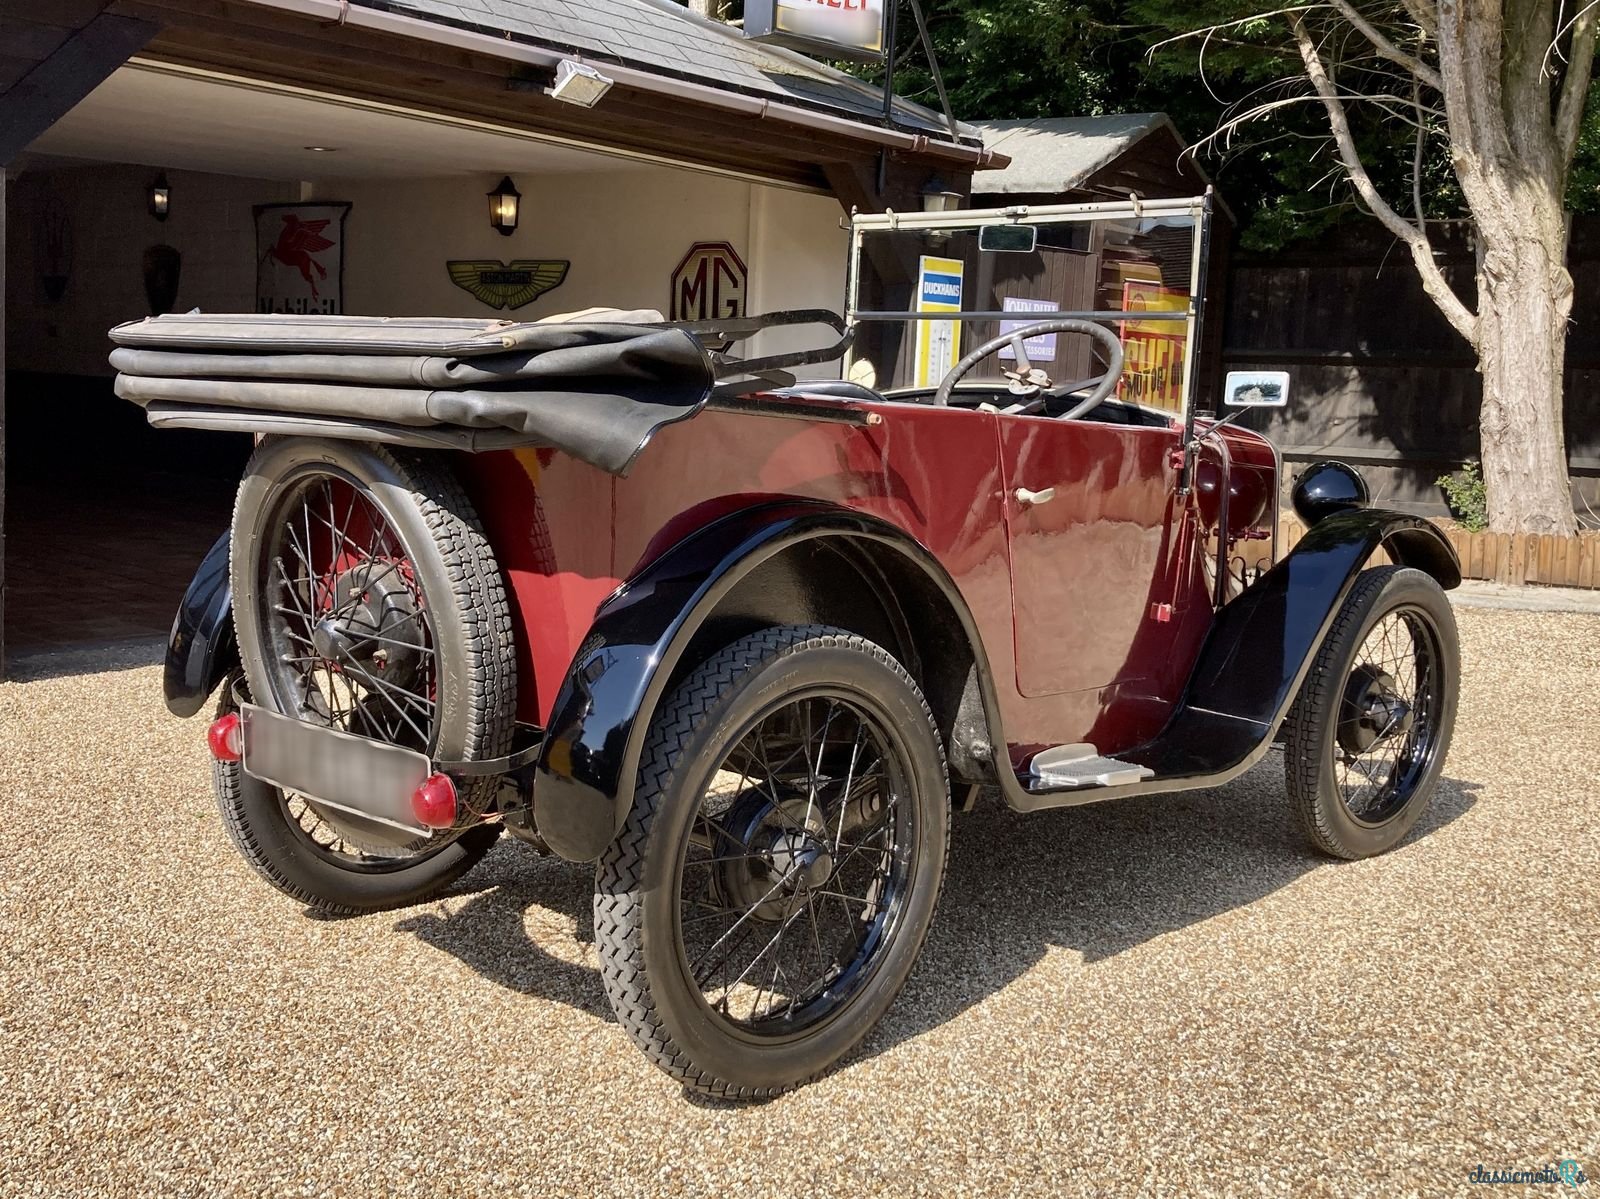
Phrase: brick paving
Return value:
(100, 560)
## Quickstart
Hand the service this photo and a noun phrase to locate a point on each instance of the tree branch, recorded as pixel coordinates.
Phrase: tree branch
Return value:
(1425, 13)
(1471, 44)
(1575, 87)
(1386, 48)
(1417, 162)
(1433, 280)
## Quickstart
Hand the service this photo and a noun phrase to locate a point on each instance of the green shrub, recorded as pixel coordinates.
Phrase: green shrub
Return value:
(1465, 494)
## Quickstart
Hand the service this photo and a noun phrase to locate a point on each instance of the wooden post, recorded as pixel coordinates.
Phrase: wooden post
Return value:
(2, 421)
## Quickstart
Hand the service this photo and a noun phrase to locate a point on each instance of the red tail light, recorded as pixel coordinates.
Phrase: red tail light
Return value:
(434, 801)
(226, 738)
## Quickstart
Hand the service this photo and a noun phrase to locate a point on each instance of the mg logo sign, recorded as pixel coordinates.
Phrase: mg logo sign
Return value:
(709, 283)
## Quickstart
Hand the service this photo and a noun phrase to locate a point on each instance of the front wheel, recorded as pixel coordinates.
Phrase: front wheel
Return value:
(773, 883)
(1369, 731)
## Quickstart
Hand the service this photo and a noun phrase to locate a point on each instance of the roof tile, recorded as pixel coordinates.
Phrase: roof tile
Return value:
(661, 36)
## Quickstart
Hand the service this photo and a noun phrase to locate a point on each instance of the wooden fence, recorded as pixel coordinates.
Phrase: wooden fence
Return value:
(1517, 559)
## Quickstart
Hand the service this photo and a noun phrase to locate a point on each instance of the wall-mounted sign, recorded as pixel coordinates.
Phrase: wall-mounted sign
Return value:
(1155, 349)
(163, 266)
(837, 28)
(1041, 348)
(939, 286)
(55, 250)
(508, 284)
(709, 284)
(300, 258)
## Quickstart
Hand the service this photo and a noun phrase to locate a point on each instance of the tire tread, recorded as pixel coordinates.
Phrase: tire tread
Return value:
(618, 905)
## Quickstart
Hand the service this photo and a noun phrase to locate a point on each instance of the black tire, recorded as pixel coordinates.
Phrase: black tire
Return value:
(639, 926)
(256, 818)
(470, 671)
(1351, 807)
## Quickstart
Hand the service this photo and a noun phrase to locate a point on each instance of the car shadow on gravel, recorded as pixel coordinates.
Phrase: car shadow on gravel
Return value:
(512, 888)
(1097, 879)
(1104, 878)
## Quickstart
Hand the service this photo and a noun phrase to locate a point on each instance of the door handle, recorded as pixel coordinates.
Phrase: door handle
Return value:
(1031, 498)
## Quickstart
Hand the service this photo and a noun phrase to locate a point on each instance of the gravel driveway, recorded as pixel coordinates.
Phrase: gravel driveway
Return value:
(1159, 995)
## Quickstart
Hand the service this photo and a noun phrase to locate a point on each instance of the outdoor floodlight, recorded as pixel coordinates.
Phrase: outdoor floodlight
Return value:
(578, 83)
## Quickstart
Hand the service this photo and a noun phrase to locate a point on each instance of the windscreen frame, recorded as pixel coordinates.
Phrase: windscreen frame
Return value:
(1198, 209)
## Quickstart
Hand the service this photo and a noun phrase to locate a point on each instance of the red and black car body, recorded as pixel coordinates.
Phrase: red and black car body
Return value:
(1092, 607)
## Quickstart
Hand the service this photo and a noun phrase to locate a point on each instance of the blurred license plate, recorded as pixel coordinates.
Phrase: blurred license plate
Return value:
(339, 770)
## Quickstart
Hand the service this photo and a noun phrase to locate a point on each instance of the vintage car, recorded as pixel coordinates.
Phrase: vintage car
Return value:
(746, 644)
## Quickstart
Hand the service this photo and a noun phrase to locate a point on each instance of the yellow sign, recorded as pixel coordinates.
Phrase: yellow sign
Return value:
(939, 286)
(1153, 374)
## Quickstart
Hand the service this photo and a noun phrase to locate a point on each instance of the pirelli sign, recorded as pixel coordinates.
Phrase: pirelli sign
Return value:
(832, 28)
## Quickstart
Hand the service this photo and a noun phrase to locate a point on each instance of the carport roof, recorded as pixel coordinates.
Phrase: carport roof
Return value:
(1057, 154)
(667, 39)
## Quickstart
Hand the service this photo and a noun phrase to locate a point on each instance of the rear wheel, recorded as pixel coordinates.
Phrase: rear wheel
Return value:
(1369, 731)
(775, 878)
(366, 600)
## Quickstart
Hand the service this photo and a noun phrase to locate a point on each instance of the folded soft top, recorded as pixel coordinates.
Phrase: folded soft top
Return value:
(597, 388)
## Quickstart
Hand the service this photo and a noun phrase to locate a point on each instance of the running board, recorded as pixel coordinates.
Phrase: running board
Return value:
(1080, 767)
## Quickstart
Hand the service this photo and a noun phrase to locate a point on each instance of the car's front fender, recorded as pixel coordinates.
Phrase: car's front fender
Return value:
(201, 650)
(590, 758)
(1262, 643)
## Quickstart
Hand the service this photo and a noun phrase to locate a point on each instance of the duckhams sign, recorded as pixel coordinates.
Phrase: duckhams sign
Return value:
(837, 28)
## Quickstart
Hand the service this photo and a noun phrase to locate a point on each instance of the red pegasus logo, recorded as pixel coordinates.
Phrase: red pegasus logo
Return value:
(297, 244)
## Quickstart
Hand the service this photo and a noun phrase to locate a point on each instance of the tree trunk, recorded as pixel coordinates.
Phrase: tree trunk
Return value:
(1524, 300)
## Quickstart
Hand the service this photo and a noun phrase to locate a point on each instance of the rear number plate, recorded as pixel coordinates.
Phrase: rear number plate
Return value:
(339, 770)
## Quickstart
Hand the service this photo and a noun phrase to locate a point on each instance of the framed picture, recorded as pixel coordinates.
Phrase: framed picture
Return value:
(300, 257)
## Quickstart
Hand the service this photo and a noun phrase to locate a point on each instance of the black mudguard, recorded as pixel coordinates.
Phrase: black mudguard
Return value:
(202, 649)
(586, 773)
(1263, 643)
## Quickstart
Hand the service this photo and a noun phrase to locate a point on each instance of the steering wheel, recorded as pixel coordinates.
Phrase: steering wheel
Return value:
(1030, 382)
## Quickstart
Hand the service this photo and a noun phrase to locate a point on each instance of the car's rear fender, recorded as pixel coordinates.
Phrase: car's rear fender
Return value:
(202, 649)
(786, 562)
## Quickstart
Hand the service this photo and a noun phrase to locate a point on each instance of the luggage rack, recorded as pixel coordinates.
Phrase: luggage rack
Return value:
(719, 334)
(739, 379)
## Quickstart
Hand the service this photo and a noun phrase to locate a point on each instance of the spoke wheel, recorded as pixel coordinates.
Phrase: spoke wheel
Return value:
(772, 885)
(796, 867)
(366, 600)
(352, 644)
(1367, 737)
(1386, 730)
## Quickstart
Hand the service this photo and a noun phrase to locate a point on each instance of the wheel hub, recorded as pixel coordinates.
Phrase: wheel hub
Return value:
(774, 854)
(375, 626)
(1373, 711)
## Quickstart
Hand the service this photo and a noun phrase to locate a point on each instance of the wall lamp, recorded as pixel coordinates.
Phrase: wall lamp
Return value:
(578, 83)
(504, 207)
(160, 197)
(937, 196)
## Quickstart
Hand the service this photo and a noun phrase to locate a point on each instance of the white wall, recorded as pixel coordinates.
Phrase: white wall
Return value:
(624, 233)
(211, 225)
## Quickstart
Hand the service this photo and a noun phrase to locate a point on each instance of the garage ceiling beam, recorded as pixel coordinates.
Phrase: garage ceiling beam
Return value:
(81, 63)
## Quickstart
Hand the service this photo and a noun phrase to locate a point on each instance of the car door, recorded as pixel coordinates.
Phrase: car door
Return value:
(1094, 527)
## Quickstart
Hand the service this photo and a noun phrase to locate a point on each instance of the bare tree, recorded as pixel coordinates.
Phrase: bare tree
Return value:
(1504, 83)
